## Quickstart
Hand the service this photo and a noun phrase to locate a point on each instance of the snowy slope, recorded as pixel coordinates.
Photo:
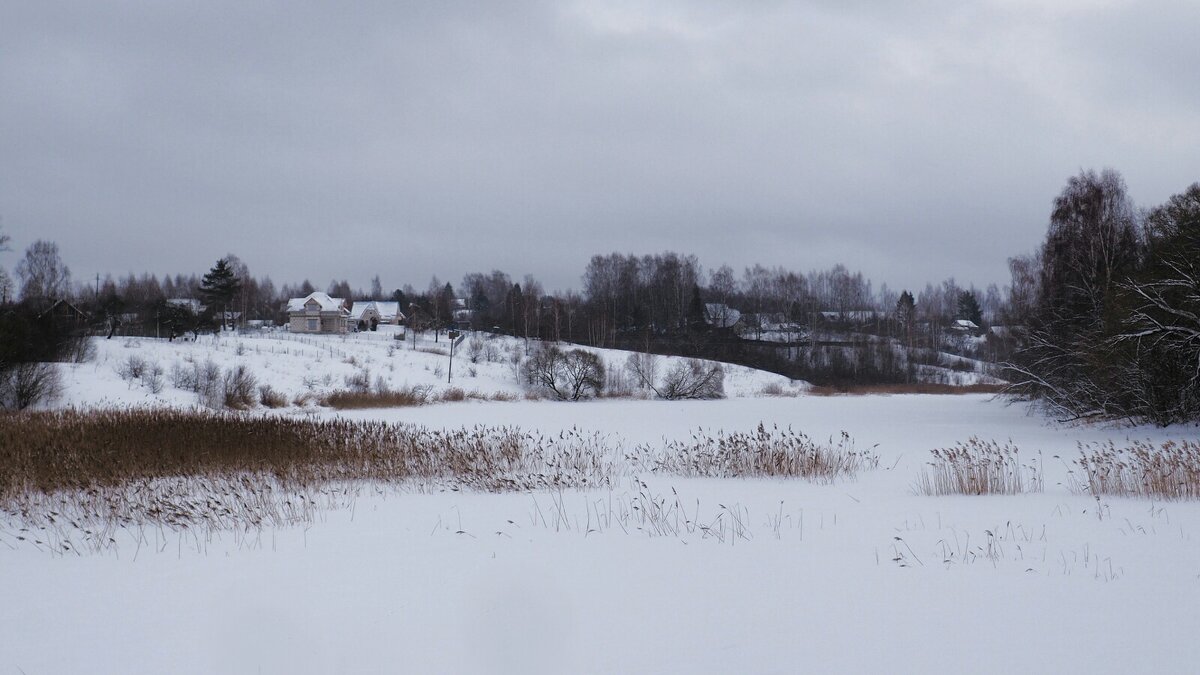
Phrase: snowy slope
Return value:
(857, 576)
(318, 364)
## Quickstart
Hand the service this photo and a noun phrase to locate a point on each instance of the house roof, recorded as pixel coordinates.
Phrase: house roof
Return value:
(359, 308)
(387, 310)
(191, 303)
(965, 324)
(720, 315)
(326, 303)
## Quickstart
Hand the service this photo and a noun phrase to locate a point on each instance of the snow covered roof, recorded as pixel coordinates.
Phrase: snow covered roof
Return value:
(851, 315)
(720, 315)
(965, 324)
(326, 303)
(359, 308)
(190, 303)
(388, 311)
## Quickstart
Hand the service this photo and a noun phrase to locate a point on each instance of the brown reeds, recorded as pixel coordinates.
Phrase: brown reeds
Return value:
(762, 452)
(979, 467)
(179, 469)
(1170, 470)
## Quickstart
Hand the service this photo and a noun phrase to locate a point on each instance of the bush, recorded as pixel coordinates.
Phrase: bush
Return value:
(133, 368)
(153, 379)
(567, 375)
(270, 398)
(239, 388)
(359, 382)
(693, 379)
(387, 398)
(24, 385)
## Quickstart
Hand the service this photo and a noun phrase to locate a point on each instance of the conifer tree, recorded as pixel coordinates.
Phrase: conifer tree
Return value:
(219, 286)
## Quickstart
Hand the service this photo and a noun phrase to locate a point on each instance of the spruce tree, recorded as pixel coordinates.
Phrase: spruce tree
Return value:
(219, 286)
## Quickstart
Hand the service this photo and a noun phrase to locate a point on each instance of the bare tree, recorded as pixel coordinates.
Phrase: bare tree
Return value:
(43, 275)
(568, 375)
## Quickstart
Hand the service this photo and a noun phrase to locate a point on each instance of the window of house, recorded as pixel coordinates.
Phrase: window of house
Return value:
(314, 324)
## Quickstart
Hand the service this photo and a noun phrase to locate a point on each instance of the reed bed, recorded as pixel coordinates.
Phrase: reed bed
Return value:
(1170, 470)
(762, 452)
(104, 469)
(978, 467)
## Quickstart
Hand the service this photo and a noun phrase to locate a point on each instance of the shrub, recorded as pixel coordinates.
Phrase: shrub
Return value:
(359, 382)
(979, 467)
(24, 385)
(209, 384)
(239, 388)
(643, 370)
(390, 398)
(693, 379)
(153, 379)
(270, 398)
(567, 375)
(688, 379)
(132, 368)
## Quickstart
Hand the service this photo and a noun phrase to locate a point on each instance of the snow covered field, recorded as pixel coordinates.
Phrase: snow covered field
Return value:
(319, 364)
(724, 575)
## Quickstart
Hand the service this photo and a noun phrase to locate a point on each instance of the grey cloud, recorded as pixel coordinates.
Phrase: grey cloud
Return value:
(914, 140)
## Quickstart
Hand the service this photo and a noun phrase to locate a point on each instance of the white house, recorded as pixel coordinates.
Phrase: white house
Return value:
(318, 313)
(364, 313)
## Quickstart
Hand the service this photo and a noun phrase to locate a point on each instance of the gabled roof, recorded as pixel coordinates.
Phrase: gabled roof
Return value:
(720, 315)
(326, 303)
(358, 309)
(61, 305)
(387, 310)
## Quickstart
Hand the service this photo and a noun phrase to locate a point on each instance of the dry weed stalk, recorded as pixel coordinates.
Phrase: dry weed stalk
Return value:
(979, 467)
(763, 452)
(1167, 471)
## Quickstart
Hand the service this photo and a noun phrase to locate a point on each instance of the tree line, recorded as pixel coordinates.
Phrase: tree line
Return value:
(1102, 320)
(1111, 306)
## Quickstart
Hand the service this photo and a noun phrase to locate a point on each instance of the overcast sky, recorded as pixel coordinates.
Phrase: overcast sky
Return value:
(912, 140)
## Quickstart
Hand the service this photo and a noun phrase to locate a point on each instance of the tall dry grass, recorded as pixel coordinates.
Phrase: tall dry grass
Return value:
(978, 467)
(762, 452)
(106, 469)
(1170, 470)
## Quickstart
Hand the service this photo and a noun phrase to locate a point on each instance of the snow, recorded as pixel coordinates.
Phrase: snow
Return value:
(295, 364)
(324, 302)
(464, 582)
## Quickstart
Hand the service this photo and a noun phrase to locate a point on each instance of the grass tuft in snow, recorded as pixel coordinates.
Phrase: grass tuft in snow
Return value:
(979, 467)
(1167, 471)
(762, 452)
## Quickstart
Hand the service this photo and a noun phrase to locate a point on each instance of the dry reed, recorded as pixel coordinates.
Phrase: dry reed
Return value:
(763, 452)
(979, 467)
(1167, 471)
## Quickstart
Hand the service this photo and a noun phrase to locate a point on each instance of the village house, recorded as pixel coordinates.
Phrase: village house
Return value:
(318, 313)
(720, 315)
(366, 314)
